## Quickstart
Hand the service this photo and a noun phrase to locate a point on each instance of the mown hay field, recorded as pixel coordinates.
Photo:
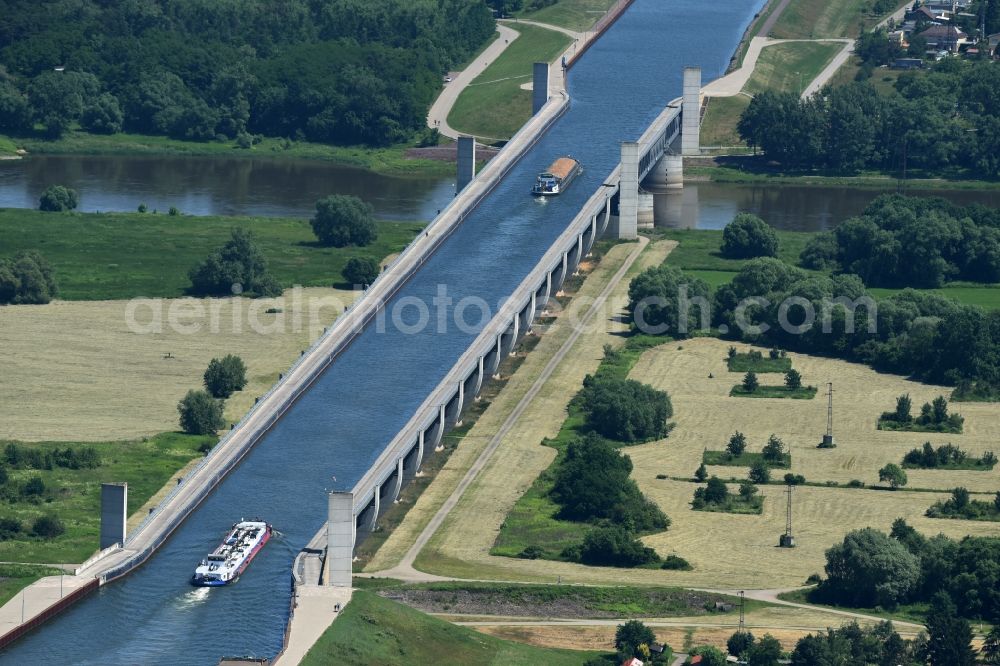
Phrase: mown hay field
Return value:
(76, 371)
(732, 551)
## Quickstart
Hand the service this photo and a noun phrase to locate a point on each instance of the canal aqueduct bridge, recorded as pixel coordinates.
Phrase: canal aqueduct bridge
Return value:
(655, 161)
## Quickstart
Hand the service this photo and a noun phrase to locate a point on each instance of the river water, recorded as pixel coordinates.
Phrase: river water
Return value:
(289, 188)
(354, 409)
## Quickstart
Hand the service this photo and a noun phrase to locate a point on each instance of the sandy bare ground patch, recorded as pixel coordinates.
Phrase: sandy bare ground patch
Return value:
(523, 457)
(75, 371)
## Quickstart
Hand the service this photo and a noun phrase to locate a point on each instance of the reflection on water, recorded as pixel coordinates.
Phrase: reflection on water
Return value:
(217, 186)
(791, 207)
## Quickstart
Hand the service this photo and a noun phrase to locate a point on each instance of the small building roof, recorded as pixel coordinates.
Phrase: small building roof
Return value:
(947, 32)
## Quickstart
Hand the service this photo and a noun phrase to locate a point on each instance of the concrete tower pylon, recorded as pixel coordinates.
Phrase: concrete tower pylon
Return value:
(691, 120)
(628, 192)
(539, 86)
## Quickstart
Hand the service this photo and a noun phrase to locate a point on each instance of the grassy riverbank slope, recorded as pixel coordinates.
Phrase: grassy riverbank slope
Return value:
(494, 105)
(391, 161)
(576, 15)
(125, 255)
(374, 630)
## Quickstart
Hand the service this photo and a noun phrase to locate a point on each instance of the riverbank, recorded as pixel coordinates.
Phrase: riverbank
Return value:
(393, 160)
(751, 171)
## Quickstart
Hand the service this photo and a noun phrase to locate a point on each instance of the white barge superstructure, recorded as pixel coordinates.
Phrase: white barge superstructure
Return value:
(225, 564)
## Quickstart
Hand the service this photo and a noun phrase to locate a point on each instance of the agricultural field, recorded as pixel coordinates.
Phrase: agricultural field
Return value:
(98, 256)
(76, 371)
(494, 105)
(729, 550)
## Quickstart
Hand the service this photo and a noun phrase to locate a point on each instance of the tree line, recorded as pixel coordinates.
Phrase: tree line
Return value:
(942, 120)
(339, 71)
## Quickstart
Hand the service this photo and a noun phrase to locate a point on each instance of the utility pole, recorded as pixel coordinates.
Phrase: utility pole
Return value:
(742, 627)
(828, 442)
(787, 540)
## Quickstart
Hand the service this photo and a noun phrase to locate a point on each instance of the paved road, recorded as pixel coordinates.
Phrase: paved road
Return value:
(438, 115)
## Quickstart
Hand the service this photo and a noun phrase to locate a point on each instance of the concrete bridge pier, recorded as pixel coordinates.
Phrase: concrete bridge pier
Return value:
(691, 112)
(628, 193)
(414, 457)
(340, 538)
(114, 513)
(453, 410)
(480, 376)
(494, 357)
(399, 480)
(539, 86)
(466, 163)
(439, 428)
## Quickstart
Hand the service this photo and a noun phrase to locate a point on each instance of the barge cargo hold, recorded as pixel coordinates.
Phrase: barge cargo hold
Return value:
(557, 178)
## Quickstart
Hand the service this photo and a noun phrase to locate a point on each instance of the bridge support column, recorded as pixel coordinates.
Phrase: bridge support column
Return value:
(114, 500)
(466, 162)
(668, 174)
(539, 86)
(340, 535)
(513, 336)
(479, 377)
(496, 360)
(399, 479)
(628, 193)
(439, 432)
(420, 452)
(378, 507)
(691, 113)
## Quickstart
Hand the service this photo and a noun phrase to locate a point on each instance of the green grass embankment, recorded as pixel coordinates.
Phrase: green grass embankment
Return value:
(74, 495)
(494, 105)
(576, 15)
(374, 630)
(98, 256)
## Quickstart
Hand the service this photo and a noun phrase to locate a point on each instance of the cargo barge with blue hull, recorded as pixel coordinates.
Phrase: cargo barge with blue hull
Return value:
(225, 564)
(557, 178)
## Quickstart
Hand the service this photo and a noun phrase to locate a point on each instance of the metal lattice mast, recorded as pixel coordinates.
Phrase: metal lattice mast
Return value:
(829, 410)
(742, 618)
(788, 512)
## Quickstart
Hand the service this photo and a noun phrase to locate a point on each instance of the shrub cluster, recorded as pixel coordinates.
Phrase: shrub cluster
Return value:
(625, 410)
(26, 279)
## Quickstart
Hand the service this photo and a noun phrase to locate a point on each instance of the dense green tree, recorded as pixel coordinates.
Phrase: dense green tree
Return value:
(710, 655)
(343, 220)
(34, 486)
(103, 116)
(225, 376)
(15, 113)
(58, 198)
(27, 279)
(868, 568)
(737, 444)
(793, 379)
(201, 414)
(625, 410)
(764, 652)
(238, 267)
(592, 482)
(748, 236)
(774, 450)
(739, 643)
(47, 527)
(59, 98)
(701, 473)
(759, 472)
(893, 475)
(991, 646)
(614, 546)
(949, 636)
(665, 298)
(361, 270)
(716, 491)
(632, 634)
(750, 382)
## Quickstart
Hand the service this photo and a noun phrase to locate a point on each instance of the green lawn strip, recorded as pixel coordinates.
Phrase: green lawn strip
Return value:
(532, 520)
(735, 504)
(576, 15)
(74, 496)
(905, 612)
(391, 160)
(745, 459)
(913, 426)
(790, 67)
(100, 256)
(745, 363)
(756, 171)
(816, 19)
(374, 630)
(7, 146)
(16, 577)
(801, 393)
(494, 105)
(984, 295)
(718, 126)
